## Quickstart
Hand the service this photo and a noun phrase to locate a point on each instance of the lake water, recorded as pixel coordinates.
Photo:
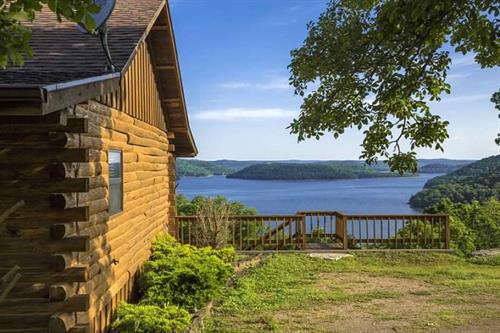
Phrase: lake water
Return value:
(352, 196)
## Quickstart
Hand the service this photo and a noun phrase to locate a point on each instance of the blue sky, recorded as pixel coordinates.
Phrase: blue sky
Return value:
(234, 56)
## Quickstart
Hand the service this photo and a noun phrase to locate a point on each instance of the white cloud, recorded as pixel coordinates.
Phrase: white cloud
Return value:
(463, 60)
(277, 83)
(459, 75)
(243, 113)
(466, 98)
(235, 85)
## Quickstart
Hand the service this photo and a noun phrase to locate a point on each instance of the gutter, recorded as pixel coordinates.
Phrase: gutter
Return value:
(30, 100)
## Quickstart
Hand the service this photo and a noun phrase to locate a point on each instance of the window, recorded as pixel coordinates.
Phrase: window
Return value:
(115, 181)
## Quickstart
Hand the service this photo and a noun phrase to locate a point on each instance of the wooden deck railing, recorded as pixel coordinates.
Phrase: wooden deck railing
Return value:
(326, 230)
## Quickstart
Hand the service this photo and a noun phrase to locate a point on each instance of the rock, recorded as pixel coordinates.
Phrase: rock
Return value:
(489, 252)
(330, 256)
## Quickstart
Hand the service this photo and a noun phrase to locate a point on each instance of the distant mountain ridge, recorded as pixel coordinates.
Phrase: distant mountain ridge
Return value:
(441, 167)
(477, 181)
(201, 168)
(304, 171)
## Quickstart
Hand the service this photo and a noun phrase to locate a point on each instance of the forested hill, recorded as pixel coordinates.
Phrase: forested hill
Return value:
(477, 181)
(441, 167)
(200, 168)
(296, 171)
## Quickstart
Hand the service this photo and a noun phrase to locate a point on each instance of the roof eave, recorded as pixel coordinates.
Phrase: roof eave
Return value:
(194, 150)
(40, 100)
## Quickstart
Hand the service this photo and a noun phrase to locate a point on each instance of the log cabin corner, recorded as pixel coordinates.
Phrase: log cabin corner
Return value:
(87, 166)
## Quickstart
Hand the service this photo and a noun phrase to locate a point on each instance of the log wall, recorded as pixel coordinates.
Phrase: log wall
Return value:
(32, 150)
(119, 244)
(78, 262)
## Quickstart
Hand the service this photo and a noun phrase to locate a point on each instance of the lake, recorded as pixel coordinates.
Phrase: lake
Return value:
(352, 196)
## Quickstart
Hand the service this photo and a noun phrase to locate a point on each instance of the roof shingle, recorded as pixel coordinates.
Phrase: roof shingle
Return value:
(62, 53)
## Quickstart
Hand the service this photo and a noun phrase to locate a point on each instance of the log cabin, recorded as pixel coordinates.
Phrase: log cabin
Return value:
(87, 166)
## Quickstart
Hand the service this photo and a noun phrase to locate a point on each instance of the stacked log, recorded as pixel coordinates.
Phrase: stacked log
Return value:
(76, 261)
(31, 147)
(120, 243)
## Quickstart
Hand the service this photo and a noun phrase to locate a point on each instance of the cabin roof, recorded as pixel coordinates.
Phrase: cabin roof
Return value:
(66, 59)
(63, 53)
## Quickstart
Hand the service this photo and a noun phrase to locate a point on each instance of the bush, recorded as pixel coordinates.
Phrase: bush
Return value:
(417, 229)
(150, 319)
(486, 260)
(166, 245)
(186, 207)
(213, 219)
(214, 227)
(184, 275)
(462, 238)
(473, 226)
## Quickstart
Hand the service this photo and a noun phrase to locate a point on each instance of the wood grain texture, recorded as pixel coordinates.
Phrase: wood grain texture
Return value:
(120, 243)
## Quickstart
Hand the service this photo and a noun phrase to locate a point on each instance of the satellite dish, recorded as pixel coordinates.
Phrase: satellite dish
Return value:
(102, 16)
(101, 29)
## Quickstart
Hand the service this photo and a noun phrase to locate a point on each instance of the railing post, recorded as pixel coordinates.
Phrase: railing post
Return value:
(344, 232)
(447, 232)
(175, 226)
(303, 231)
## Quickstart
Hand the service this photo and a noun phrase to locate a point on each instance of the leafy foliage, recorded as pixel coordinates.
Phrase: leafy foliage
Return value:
(495, 99)
(15, 37)
(474, 226)
(213, 221)
(318, 170)
(416, 229)
(186, 207)
(184, 275)
(376, 64)
(477, 181)
(150, 319)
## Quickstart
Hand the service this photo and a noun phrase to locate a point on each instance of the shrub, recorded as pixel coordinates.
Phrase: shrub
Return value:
(473, 226)
(184, 275)
(417, 229)
(215, 228)
(213, 218)
(462, 238)
(486, 260)
(166, 245)
(190, 207)
(150, 319)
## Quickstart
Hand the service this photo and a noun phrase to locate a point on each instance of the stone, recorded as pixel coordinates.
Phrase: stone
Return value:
(330, 256)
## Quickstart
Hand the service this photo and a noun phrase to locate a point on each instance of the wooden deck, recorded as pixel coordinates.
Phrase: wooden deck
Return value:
(327, 230)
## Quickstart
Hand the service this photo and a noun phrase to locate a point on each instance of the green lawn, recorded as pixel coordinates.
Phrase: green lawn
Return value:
(375, 292)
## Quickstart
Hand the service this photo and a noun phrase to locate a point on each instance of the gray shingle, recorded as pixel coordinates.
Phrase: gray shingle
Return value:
(62, 53)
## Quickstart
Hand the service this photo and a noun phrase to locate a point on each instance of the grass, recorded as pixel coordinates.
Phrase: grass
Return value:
(388, 291)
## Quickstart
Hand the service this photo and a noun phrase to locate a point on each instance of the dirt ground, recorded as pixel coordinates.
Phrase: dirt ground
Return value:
(367, 292)
(415, 307)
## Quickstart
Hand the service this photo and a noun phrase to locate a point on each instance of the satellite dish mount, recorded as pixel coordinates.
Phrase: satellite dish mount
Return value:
(103, 35)
(101, 29)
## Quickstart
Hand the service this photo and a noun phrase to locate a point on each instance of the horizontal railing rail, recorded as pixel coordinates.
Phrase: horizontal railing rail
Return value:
(253, 232)
(323, 230)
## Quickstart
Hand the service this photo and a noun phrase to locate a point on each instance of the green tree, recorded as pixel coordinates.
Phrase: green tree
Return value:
(495, 99)
(375, 65)
(474, 226)
(15, 37)
(186, 207)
